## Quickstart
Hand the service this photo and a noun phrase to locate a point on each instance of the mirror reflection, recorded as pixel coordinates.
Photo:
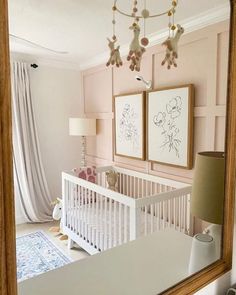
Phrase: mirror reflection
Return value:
(118, 136)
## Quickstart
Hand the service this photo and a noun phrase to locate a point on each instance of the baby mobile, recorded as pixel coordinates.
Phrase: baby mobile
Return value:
(137, 45)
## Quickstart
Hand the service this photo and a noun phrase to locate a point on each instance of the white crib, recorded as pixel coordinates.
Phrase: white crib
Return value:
(97, 218)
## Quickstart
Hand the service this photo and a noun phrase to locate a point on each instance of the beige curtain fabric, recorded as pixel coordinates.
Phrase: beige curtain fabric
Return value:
(30, 183)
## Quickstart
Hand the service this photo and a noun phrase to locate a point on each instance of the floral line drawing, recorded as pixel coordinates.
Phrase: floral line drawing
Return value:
(166, 121)
(173, 108)
(127, 127)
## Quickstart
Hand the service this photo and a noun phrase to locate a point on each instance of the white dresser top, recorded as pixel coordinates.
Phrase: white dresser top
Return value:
(146, 266)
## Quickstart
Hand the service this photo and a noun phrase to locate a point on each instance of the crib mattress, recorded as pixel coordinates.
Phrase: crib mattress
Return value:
(108, 225)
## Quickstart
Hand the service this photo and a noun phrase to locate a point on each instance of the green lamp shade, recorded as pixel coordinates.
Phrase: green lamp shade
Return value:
(208, 187)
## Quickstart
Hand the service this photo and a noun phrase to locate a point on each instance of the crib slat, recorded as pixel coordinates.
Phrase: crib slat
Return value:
(92, 219)
(179, 209)
(169, 213)
(70, 205)
(161, 215)
(138, 190)
(76, 207)
(127, 185)
(89, 217)
(123, 184)
(97, 218)
(146, 188)
(82, 211)
(133, 187)
(176, 214)
(142, 188)
(79, 210)
(66, 202)
(118, 183)
(69, 213)
(87, 214)
(103, 223)
(181, 212)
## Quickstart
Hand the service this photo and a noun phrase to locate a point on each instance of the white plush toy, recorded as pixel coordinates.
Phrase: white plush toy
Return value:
(115, 58)
(136, 50)
(172, 48)
(57, 214)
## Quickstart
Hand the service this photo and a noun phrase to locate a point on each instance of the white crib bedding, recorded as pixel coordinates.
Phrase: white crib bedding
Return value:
(107, 227)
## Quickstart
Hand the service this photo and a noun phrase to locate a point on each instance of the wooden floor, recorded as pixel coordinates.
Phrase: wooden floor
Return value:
(75, 254)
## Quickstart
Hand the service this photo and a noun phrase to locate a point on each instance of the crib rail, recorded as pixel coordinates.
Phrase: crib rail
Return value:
(162, 211)
(139, 175)
(98, 218)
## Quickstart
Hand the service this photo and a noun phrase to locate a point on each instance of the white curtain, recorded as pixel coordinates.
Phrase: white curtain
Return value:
(29, 178)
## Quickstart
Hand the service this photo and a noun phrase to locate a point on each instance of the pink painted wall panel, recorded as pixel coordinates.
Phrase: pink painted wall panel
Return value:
(101, 144)
(200, 134)
(127, 162)
(192, 69)
(98, 91)
(124, 79)
(202, 62)
(219, 131)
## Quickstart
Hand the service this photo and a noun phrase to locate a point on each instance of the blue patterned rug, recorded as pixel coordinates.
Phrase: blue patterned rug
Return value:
(36, 254)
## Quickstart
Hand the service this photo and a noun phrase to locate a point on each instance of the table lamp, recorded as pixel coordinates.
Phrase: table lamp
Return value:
(82, 127)
(207, 203)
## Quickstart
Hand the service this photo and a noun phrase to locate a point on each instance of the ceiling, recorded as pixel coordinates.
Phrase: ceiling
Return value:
(80, 27)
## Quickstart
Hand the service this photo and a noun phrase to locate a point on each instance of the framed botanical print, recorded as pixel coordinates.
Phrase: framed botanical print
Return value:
(170, 126)
(129, 128)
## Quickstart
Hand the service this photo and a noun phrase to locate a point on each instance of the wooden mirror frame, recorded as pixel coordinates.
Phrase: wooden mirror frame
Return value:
(8, 285)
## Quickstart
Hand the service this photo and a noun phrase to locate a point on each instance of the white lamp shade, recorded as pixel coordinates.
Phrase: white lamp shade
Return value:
(82, 126)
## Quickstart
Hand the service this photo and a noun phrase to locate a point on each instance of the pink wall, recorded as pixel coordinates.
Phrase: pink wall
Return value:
(202, 62)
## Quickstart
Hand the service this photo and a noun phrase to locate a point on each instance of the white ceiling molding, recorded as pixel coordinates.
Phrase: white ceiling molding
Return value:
(209, 17)
(43, 61)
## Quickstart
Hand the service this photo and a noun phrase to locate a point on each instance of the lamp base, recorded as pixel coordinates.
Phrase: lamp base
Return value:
(83, 151)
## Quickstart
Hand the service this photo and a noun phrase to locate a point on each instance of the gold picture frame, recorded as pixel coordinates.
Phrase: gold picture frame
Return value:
(129, 125)
(170, 126)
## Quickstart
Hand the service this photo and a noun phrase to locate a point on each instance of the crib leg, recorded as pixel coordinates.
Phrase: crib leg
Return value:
(70, 243)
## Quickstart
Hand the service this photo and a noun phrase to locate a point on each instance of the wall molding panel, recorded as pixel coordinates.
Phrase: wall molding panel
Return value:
(207, 18)
(202, 62)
